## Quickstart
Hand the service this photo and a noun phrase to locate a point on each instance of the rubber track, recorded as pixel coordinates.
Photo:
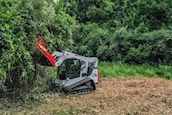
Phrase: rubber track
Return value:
(77, 83)
(80, 91)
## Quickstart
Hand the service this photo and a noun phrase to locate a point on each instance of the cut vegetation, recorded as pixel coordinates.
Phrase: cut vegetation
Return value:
(114, 96)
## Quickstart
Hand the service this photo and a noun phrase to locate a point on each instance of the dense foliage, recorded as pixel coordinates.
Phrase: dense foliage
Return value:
(129, 31)
(21, 21)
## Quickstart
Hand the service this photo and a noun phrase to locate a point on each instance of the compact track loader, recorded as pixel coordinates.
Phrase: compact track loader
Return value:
(75, 74)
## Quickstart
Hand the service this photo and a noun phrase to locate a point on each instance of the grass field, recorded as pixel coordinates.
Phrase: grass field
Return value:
(113, 69)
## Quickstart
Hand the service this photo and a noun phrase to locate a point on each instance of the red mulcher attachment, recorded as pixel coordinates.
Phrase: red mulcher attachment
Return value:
(47, 59)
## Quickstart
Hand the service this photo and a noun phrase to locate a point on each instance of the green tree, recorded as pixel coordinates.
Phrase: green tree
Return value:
(146, 15)
(87, 38)
(21, 21)
(127, 28)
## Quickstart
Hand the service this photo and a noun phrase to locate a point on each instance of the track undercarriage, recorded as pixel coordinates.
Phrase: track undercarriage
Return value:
(83, 88)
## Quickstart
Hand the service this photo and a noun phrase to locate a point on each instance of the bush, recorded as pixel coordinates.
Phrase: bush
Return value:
(21, 21)
(87, 38)
(129, 47)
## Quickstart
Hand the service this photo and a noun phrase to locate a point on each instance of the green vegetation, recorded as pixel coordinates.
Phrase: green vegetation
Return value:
(131, 38)
(120, 70)
(21, 21)
(127, 35)
(129, 31)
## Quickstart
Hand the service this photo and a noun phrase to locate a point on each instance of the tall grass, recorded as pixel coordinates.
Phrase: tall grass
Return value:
(118, 69)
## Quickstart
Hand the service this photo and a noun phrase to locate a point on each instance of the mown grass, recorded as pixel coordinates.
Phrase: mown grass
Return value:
(118, 69)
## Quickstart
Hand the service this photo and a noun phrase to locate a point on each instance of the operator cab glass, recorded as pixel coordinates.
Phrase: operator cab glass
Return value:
(70, 68)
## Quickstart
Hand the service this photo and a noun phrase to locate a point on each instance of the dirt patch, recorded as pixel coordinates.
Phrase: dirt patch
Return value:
(147, 96)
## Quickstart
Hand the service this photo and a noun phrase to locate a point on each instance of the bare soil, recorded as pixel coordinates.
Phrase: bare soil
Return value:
(127, 96)
(113, 96)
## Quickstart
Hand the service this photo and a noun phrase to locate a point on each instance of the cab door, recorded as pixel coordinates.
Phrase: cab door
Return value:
(73, 68)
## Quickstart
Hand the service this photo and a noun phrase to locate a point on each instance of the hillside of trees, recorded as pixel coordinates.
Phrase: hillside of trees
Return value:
(132, 32)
